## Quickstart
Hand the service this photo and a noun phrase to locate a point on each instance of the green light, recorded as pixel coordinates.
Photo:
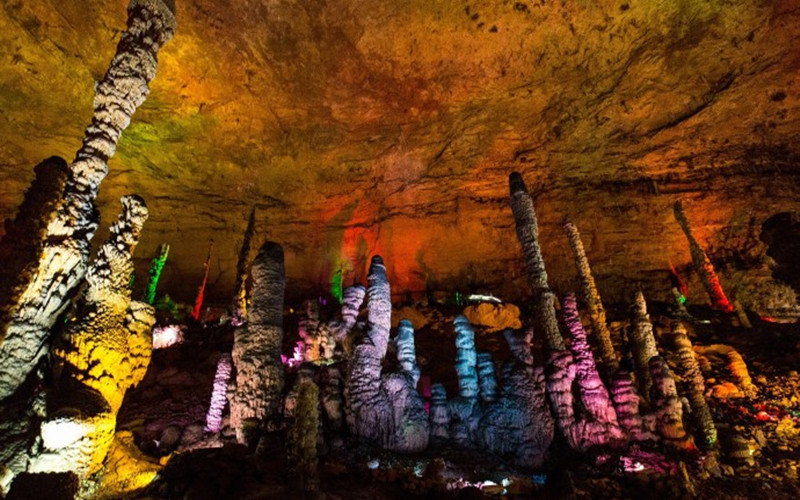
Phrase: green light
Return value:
(155, 273)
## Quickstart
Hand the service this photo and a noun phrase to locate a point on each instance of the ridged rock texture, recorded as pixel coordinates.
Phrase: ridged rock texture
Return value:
(667, 405)
(487, 378)
(333, 399)
(739, 371)
(527, 228)
(42, 293)
(301, 449)
(642, 344)
(386, 410)
(99, 357)
(154, 274)
(219, 392)
(256, 401)
(696, 385)
(352, 126)
(352, 299)
(626, 403)
(440, 415)
(239, 302)
(597, 314)
(519, 425)
(465, 410)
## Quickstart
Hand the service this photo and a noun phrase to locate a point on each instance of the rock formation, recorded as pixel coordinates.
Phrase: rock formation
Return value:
(406, 351)
(642, 344)
(352, 299)
(41, 295)
(386, 410)
(518, 425)
(667, 406)
(219, 394)
(597, 314)
(739, 371)
(528, 235)
(690, 371)
(201, 290)
(465, 409)
(239, 303)
(302, 438)
(702, 264)
(487, 379)
(626, 403)
(440, 415)
(333, 399)
(257, 349)
(155, 273)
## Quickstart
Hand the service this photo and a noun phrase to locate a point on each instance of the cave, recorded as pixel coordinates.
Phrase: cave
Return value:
(450, 249)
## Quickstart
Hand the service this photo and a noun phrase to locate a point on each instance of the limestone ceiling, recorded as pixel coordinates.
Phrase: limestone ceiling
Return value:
(357, 127)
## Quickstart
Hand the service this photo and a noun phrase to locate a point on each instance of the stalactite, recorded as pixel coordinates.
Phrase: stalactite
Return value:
(43, 294)
(352, 299)
(702, 264)
(257, 349)
(464, 409)
(667, 405)
(155, 273)
(518, 425)
(387, 410)
(738, 369)
(406, 351)
(597, 314)
(239, 305)
(99, 358)
(487, 380)
(598, 425)
(696, 384)
(218, 394)
(643, 344)
(198, 303)
(626, 403)
(440, 415)
(527, 229)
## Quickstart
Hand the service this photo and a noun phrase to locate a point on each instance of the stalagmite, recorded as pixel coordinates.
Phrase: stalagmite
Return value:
(702, 264)
(257, 349)
(308, 330)
(667, 405)
(598, 425)
(626, 403)
(696, 384)
(198, 302)
(218, 394)
(155, 273)
(302, 438)
(333, 399)
(738, 369)
(239, 305)
(487, 380)
(42, 295)
(406, 351)
(440, 415)
(352, 299)
(464, 408)
(518, 425)
(597, 314)
(643, 344)
(387, 410)
(99, 357)
(527, 229)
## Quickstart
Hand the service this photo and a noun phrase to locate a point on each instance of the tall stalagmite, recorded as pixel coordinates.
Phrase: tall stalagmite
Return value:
(155, 273)
(201, 290)
(257, 349)
(239, 305)
(597, 314)
(702, 264)
(101, 355)
(352, 299)
(44, 290)
(696, 384)
(643, 345)
(218, 394)
(667, 405)
(528, 235)
(464, 408)
(487, 379)
(626, 403)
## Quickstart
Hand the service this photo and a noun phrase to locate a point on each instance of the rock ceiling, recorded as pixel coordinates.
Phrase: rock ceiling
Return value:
(358, 127)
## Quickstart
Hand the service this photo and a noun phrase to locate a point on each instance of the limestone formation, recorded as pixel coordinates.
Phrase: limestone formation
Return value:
(643, 344)
(100, 356)
(352, 299)
(493, 317)
(201, 290)
(597, 314)
(239, 305)
(487, 380)
(626, 403)
(218, 394)
(42, 294)
(406, 351)
(333, 399)
(518, 425)
(527, 229)
(440, 415)
(702, 264)
(155, 273)
(598, 423)
(257, 349)
(302, 438)
(667, 406)
(690, 371)
(739, 371)
(386, 410)
(465, 408)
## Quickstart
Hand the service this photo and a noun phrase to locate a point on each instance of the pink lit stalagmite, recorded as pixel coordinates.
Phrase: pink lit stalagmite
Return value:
(219, 394)
(43, 292)
(626, 403)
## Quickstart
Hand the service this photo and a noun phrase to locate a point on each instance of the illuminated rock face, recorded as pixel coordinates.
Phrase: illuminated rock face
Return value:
(218, 394)
(257, 349)
(465, 409)
(643, 344)
(387, 409)
(667, 405)
(239, 302)
(66, 240)
(626, 403)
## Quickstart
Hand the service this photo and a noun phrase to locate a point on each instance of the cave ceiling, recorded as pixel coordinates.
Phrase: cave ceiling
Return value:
(361, 127)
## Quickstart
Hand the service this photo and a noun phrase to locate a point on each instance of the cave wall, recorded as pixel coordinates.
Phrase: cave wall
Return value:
(358, 128)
